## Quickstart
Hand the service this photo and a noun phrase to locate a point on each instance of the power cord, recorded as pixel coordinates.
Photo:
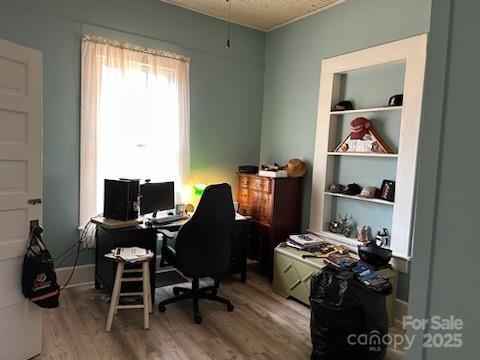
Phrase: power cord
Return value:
(89, 227)
(74, 267)
(83, 236)
(68, 257)
(66, 251)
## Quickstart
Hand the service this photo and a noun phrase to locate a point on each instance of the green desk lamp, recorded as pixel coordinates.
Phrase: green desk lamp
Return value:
(198, 189)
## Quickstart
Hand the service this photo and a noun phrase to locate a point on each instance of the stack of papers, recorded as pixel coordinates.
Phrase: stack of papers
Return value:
(130, 254)
(307, 241)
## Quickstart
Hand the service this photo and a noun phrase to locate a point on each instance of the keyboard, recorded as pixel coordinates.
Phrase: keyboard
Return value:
(168, 219)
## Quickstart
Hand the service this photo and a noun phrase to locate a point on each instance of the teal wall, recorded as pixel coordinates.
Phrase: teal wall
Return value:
(444, 269)
(226, 88)
(292, 73)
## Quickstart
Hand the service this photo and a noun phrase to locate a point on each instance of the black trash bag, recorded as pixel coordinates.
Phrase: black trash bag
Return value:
(341, 310)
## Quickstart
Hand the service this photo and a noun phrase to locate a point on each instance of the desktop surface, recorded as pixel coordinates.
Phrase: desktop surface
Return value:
(146, 223)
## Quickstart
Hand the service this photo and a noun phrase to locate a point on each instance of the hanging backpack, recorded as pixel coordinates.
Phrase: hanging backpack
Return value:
(39, 281)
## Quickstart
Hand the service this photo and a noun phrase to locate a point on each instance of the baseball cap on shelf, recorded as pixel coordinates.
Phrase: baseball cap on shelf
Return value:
(343, 105)
(335, 188)
(352, 189)
(396, 100)
(368, 192)
(359, 128)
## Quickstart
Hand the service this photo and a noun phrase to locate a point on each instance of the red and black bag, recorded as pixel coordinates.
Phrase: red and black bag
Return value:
(39, 281)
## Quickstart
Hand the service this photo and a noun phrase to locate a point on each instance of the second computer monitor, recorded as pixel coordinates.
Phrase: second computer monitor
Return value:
(157, 197)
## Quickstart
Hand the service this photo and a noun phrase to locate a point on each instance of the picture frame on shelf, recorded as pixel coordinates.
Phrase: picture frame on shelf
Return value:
(387, 190)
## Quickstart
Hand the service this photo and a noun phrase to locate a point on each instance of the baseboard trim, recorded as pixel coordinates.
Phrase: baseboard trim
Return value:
(401, 310)
(83, 275)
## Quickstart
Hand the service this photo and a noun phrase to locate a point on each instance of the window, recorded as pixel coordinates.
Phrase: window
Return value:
(134, 118)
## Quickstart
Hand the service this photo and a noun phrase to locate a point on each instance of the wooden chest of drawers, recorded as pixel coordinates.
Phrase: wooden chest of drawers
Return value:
(275, 207)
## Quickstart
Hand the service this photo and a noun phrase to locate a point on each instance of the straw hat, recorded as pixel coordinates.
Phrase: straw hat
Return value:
(296, 168)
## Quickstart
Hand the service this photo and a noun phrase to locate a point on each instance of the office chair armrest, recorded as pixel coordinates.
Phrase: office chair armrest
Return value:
(167, 233)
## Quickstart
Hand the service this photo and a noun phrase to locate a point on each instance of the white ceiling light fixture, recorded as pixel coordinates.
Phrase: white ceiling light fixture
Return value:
(263, 15)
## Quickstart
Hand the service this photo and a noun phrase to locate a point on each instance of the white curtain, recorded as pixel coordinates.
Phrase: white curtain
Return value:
(134, 118)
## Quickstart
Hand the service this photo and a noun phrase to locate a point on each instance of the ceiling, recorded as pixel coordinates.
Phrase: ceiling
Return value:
(262, 15)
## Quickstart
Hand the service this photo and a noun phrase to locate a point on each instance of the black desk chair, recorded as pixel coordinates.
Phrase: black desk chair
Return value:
(202, 248)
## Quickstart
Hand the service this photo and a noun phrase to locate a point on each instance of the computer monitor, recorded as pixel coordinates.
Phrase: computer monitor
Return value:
(157, 197)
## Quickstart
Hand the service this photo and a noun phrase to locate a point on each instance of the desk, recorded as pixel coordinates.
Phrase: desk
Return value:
(145, 236)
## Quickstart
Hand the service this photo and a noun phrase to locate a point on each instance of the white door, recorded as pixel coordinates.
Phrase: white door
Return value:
(20, 181)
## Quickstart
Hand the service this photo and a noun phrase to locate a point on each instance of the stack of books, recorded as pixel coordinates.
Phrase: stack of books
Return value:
(307, 242)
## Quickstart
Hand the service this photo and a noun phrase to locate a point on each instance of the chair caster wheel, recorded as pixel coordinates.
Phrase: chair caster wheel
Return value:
(230, 307)
(162, 308)
(176, 292)
(197, 318)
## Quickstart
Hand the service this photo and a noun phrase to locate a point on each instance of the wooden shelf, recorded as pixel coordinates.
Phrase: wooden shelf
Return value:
(372, 154)
(377, 201)
(358, 111)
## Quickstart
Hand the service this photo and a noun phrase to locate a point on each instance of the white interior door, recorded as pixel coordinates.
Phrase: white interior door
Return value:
(20, 181)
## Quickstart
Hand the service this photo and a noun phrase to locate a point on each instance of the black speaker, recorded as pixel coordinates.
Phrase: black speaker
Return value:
(248, 169)
(120, 200)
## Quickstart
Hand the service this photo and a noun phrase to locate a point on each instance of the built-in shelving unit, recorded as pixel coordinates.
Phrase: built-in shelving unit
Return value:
(398, 125)
(367, 110)
(372, 200)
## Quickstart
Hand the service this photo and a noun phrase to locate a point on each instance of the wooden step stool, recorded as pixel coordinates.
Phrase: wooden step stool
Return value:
(116, 294)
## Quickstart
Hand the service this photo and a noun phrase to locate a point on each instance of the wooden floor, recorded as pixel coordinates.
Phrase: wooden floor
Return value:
(262, 326)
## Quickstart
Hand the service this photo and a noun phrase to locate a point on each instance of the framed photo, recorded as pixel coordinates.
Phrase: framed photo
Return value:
(387, 191)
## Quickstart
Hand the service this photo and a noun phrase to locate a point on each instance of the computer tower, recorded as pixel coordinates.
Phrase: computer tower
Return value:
(120, 200)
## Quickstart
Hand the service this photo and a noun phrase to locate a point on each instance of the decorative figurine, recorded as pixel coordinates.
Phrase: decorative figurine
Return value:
(382, 237)
(343, 225)
(363, 234)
